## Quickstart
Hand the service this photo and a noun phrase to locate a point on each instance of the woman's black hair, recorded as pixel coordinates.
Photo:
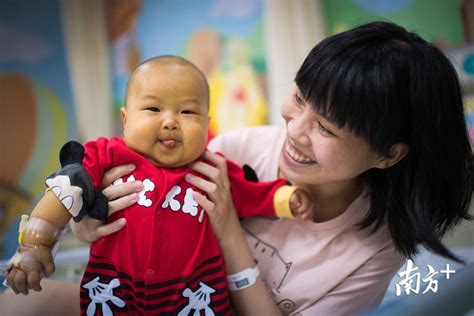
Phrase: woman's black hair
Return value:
(390, 86)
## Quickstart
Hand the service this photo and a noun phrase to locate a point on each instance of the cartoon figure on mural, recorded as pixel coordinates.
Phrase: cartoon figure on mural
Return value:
(237, 91)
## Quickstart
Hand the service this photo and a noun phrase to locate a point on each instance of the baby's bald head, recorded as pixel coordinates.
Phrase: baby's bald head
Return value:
(166, 61)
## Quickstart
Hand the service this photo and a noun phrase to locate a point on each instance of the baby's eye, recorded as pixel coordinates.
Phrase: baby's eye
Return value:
(188, 112)
(153, 109)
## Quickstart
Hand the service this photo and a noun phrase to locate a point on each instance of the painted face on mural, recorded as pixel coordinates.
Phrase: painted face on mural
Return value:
(166, 113)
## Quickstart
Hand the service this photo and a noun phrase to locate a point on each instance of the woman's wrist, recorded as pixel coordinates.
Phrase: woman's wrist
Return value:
(233, 236)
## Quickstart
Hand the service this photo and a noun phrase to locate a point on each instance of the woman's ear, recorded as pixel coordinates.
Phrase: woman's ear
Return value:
(396, 153)
(123, 115)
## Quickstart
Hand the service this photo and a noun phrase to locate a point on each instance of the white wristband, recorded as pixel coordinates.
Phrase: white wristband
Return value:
(243, 279)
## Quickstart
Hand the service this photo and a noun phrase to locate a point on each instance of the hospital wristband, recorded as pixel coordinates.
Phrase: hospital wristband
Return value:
(243, 279)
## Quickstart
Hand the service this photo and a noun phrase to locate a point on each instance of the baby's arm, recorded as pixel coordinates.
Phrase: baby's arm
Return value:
(272, 198)
(34, 257)
(71, 194)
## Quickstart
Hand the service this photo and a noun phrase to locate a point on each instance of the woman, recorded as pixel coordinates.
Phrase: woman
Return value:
(375, 133)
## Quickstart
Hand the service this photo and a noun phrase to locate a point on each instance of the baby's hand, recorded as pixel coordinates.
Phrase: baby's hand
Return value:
(30, 264)
(301, 205)
(34, 258)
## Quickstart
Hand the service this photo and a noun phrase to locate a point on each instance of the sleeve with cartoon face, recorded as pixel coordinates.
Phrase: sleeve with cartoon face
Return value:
(252, 198)
(77, 183)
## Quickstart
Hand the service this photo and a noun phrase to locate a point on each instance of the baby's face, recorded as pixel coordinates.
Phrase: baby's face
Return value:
(166, 114)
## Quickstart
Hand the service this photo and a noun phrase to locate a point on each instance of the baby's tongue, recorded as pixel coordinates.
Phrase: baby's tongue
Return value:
(170, 143)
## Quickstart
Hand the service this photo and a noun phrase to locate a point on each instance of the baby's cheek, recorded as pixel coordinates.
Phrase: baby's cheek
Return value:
(196, 142)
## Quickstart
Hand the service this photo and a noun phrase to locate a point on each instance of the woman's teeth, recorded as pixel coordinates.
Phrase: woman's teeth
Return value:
(298, 157)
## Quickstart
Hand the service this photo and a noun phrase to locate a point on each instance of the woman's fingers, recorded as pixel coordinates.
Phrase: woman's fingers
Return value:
(216, 159)
(217, 173)
(110, 228)
(120, 196)
(113, 192)
(122, 203)
(204, 202)
(200, 183)
(205, 169)
(215, 215)
(115, 173)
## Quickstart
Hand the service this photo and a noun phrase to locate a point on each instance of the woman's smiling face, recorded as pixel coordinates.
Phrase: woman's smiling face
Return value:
(318, 152)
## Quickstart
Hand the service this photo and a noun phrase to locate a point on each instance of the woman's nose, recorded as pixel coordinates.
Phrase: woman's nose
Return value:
(298, 129)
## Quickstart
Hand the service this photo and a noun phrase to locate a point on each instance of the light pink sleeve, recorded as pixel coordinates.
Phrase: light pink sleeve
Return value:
(228, 144)
(256, 146)
(362, 290)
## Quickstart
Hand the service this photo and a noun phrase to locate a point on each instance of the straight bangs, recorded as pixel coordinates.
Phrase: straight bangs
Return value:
(355, 89)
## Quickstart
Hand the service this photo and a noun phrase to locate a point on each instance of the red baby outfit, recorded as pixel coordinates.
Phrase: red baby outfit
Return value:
(166, 260)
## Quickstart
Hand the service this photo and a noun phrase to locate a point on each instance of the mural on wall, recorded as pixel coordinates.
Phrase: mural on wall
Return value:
(36, 112)
(223, 38)
(422, 16)
(454, 35)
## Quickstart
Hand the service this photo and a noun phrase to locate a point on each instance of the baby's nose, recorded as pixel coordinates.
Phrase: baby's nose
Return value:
(170, 123)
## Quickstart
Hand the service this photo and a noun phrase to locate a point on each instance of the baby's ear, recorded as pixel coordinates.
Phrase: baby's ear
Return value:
(123, 114)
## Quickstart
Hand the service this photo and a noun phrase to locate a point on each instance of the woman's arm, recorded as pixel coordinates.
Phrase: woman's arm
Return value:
(56, 298)
(254, 300)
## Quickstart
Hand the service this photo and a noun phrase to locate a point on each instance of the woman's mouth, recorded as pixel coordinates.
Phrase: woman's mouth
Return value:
(296, 156)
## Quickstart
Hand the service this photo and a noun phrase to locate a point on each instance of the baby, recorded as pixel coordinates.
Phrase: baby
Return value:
(167, 260)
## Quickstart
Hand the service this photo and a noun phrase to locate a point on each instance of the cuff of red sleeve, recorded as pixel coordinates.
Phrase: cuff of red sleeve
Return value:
(281, 201)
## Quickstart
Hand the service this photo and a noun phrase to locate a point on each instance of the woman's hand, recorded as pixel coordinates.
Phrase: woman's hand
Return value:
(219, 206)
(119, 196)
(254, 300)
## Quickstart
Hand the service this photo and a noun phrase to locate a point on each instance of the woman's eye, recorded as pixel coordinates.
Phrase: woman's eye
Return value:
(153, 109)
(299, 100)
(324, 129)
